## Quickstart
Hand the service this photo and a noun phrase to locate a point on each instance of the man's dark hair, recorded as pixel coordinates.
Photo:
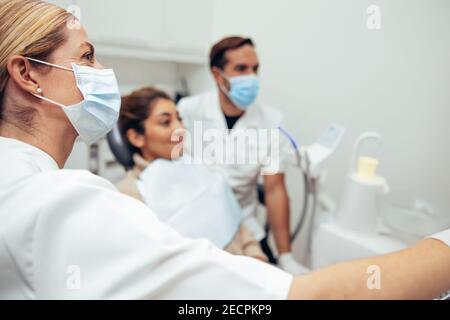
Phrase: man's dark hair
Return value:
(217, 56)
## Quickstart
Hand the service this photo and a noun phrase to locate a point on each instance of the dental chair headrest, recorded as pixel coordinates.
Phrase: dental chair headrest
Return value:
(119, 148)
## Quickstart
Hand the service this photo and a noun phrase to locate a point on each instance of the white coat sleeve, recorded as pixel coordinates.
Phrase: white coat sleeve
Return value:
(443, 236)
(281, 154)
(90, 241)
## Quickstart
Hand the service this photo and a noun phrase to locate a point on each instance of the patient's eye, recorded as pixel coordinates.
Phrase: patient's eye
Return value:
(165, 122)
(165, 119)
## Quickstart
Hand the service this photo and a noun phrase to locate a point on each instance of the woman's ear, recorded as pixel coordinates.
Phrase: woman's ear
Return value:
(20, 71)
(136, 139)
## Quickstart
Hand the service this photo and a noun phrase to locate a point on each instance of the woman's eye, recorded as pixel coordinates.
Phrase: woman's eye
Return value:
(166, 123)
(89, 56)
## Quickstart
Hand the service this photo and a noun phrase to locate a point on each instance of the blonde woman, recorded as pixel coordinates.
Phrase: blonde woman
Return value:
(69, 234)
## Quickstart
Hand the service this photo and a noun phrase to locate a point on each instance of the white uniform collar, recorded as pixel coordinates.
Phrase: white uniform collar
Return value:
(43, 160)
(250, 119)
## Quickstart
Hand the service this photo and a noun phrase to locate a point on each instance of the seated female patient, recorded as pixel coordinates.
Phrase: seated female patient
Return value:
(150, 124)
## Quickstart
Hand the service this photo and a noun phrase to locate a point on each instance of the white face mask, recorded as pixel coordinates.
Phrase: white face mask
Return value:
(98, 112)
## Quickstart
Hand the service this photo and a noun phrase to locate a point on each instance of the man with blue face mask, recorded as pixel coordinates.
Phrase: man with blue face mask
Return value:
(234, 109)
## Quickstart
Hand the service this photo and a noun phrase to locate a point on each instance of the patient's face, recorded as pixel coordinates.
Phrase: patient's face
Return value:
(164, 132)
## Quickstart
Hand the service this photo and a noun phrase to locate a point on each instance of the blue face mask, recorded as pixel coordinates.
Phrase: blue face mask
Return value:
(98, 112)
(243, 90)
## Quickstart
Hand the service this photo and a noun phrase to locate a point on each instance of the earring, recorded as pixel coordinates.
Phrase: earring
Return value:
(39, 90)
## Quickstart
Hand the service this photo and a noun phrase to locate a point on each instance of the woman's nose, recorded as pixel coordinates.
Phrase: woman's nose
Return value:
(98, 65)
(179, 125)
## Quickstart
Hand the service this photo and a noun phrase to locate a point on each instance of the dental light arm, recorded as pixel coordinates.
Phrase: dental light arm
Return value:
(310, 160)
(300, 154)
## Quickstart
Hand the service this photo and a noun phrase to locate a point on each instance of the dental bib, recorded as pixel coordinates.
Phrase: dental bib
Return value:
(195, 201)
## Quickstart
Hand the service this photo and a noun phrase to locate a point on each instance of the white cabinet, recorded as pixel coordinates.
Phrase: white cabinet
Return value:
(188, 25)
(170, 30)
(135, 23)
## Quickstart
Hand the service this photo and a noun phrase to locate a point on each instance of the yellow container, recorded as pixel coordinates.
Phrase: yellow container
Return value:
(367, 168)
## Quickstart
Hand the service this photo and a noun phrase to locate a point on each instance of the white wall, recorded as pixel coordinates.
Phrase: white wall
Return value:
(133, 74)
(321, 64)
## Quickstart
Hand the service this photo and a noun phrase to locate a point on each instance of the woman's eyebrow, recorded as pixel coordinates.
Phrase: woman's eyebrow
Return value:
(167, 114)
(88, 45)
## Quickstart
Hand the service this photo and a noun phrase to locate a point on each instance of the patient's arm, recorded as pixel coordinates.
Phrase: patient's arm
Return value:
(420, 272)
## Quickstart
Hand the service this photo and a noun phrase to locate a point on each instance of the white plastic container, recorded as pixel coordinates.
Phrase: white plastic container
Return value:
(358, 209)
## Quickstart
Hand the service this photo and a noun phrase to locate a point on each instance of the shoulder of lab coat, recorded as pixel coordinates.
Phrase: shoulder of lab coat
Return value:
(198, 107)
(206, 106)
(120, 250)
(271, 118)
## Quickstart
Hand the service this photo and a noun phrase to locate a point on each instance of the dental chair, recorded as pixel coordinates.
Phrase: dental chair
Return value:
(119, 148)
(123, 155)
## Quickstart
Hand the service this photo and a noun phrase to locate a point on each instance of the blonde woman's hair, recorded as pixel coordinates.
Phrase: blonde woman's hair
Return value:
(30, 28)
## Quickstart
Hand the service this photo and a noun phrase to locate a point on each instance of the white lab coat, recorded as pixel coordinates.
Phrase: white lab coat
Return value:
(243, 179)
(68, 234)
